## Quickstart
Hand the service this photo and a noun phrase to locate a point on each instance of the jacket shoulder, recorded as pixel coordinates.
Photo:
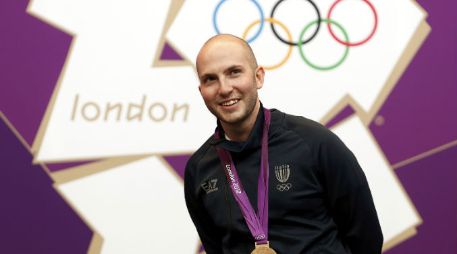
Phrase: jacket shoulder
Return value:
(303, 127)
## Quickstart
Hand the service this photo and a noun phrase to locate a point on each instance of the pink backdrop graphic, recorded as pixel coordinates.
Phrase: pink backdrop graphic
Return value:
(416, 129)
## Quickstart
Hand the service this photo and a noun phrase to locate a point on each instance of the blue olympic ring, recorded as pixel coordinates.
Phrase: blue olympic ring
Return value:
(262, 20)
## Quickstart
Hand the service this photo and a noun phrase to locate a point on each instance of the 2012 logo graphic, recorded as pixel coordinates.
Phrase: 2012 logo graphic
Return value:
(110, 61)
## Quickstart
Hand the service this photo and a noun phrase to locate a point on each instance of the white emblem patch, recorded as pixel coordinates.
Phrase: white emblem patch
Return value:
(282, 173)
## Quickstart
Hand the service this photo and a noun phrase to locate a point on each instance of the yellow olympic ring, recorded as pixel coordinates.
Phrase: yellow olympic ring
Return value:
(289, 36)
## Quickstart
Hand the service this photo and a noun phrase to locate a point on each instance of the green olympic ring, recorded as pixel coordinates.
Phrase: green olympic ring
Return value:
(302, 54)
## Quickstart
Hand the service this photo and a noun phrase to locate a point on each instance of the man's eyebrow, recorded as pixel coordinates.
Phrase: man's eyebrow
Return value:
(231, 68)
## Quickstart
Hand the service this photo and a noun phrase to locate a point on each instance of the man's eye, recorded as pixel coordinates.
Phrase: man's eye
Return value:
(208, 79)
(235, 71)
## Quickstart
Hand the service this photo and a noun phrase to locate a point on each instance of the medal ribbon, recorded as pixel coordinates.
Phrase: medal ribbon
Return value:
(257, 223)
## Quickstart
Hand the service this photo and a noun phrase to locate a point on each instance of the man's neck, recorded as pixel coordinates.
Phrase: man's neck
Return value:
(240, 131)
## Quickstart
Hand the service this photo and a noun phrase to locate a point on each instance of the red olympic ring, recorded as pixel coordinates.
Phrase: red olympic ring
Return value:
(347, 43)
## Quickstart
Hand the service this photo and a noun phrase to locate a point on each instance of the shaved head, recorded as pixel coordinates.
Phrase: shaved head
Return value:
(229, 80)
(227, 39)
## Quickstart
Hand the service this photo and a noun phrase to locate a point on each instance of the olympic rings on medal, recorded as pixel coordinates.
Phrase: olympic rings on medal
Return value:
(302, 41)
(262, 18)
(323, 68)
(347, 43)
(289, 37)
(290, 42)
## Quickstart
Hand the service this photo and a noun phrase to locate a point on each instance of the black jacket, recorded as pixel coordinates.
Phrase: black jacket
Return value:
(321, 205)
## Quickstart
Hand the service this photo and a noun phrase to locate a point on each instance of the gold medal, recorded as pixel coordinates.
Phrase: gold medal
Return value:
(263, 249)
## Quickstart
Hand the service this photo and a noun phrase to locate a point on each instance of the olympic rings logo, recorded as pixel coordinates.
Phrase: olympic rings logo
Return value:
(284, 187)
(260, 237)
(302, 41)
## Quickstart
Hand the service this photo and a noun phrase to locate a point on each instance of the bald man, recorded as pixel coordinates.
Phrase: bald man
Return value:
(267, 181)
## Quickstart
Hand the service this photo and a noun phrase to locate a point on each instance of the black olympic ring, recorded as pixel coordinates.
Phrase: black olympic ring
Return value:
(304, 41)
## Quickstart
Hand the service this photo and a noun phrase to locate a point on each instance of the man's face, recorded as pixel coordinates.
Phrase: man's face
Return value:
(229, 81)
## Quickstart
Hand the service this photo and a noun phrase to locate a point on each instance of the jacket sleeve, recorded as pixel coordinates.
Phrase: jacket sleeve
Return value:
(207, 231)
(349, 198)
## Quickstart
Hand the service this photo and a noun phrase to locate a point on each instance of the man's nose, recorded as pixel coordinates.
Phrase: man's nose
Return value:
(226, 87)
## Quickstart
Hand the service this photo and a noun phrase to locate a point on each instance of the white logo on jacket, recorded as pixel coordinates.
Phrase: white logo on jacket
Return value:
(282, 173)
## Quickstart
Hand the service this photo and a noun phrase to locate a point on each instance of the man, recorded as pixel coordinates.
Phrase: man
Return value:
(317, 199)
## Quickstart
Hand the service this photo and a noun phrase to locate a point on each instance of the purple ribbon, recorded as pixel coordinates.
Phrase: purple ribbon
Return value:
(257, 223)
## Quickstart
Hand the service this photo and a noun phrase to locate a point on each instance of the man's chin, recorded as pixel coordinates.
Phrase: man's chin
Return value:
(231, 119)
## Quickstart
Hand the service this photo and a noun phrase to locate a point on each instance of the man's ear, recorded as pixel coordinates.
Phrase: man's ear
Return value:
(259, 76)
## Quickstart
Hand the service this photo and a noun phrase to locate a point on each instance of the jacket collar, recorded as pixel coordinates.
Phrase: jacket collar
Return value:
(253, 141)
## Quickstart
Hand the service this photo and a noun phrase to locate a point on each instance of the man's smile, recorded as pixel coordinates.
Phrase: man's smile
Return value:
(228, 103)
